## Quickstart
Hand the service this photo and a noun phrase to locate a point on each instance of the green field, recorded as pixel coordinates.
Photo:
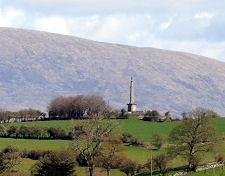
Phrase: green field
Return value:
(219, 171)
(134, 126)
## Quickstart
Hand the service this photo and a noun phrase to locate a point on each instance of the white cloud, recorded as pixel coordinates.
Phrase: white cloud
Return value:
(137, 29)
(52, 24)
(204, 15)
(11, 17)
(215, 50)
(165, 25)
(78, 26)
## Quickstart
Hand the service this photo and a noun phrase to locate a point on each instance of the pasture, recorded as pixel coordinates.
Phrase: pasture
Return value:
(138, 128)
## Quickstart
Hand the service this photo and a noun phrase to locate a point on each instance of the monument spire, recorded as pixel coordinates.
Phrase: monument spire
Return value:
(131, 91)
(132, 106)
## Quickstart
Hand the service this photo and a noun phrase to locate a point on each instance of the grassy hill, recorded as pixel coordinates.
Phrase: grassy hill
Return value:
(134, 126)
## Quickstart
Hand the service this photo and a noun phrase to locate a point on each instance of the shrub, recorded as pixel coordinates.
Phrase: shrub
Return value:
(137, 141)
(81, 160)
(3, 130)
(126, 137)
(129, 167)
(123, 114)
(55, 163)
(160, 162)
(158, 140)
(24, 131)
(36, 154)
(11, 157)
(152, 116)
(56, 133)
(10, 149)
(12, 130)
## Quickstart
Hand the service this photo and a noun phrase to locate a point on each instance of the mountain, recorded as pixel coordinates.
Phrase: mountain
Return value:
(38, 66)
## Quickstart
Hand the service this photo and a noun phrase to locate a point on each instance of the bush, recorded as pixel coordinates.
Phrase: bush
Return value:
(12, 130)
(10, 149)
(129, 167)
(126, 137)
(123, 114)
(3, 130)
(11, 157)
(81, 160)
(137, 141)
(158, 140)
(56, 133)
(152, 116)
(160, 162)
(54, 164)
(34, 154)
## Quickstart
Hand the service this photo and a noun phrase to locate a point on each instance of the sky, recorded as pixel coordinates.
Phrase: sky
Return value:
(194, 26)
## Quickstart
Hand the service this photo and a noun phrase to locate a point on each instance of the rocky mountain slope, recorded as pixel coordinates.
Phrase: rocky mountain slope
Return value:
(38, 66)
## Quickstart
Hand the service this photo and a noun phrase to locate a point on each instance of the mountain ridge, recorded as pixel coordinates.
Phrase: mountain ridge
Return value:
(38, 66)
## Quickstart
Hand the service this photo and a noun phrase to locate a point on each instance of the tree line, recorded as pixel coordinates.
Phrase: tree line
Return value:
(77, 107)
(34, 132)
(73, 107)
(21, 116)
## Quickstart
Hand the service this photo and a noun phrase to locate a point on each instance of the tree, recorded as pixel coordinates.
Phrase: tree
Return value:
(12, 130)
(129, 167)
(3, 130)
(168, 116)
(24, 131)
(123, 114)
(160, 162)
(184, 116)
(158, 140)
(212, 114)
(54, 164)
(110, 153)
(56, 132)
(3, 164)
(75, 107)
(36, 131)
(11, 156)
(88, 136)
(126, 137)
(193, 137)
(152, 116)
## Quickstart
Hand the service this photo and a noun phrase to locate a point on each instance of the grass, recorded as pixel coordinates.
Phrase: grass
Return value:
(59, 123)
(145, 129)
(219, 171)
(134, 126)
(31, 144)
(26, 165)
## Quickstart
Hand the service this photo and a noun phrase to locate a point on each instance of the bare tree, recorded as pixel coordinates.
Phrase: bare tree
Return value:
(88, 135)
(110, 153)
(76, 107)
(193, 137)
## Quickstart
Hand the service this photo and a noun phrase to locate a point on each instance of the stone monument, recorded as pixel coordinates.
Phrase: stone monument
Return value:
(132, 107)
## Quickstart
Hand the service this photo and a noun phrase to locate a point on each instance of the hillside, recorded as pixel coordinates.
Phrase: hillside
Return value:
(38, 66)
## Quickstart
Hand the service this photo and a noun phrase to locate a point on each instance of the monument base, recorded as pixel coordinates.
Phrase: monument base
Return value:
(132, 107)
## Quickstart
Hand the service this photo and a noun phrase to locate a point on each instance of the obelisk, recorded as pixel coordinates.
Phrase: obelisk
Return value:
(132, 107)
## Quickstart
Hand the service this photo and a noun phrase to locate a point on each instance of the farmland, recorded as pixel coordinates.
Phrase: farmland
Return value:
(139, 128)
